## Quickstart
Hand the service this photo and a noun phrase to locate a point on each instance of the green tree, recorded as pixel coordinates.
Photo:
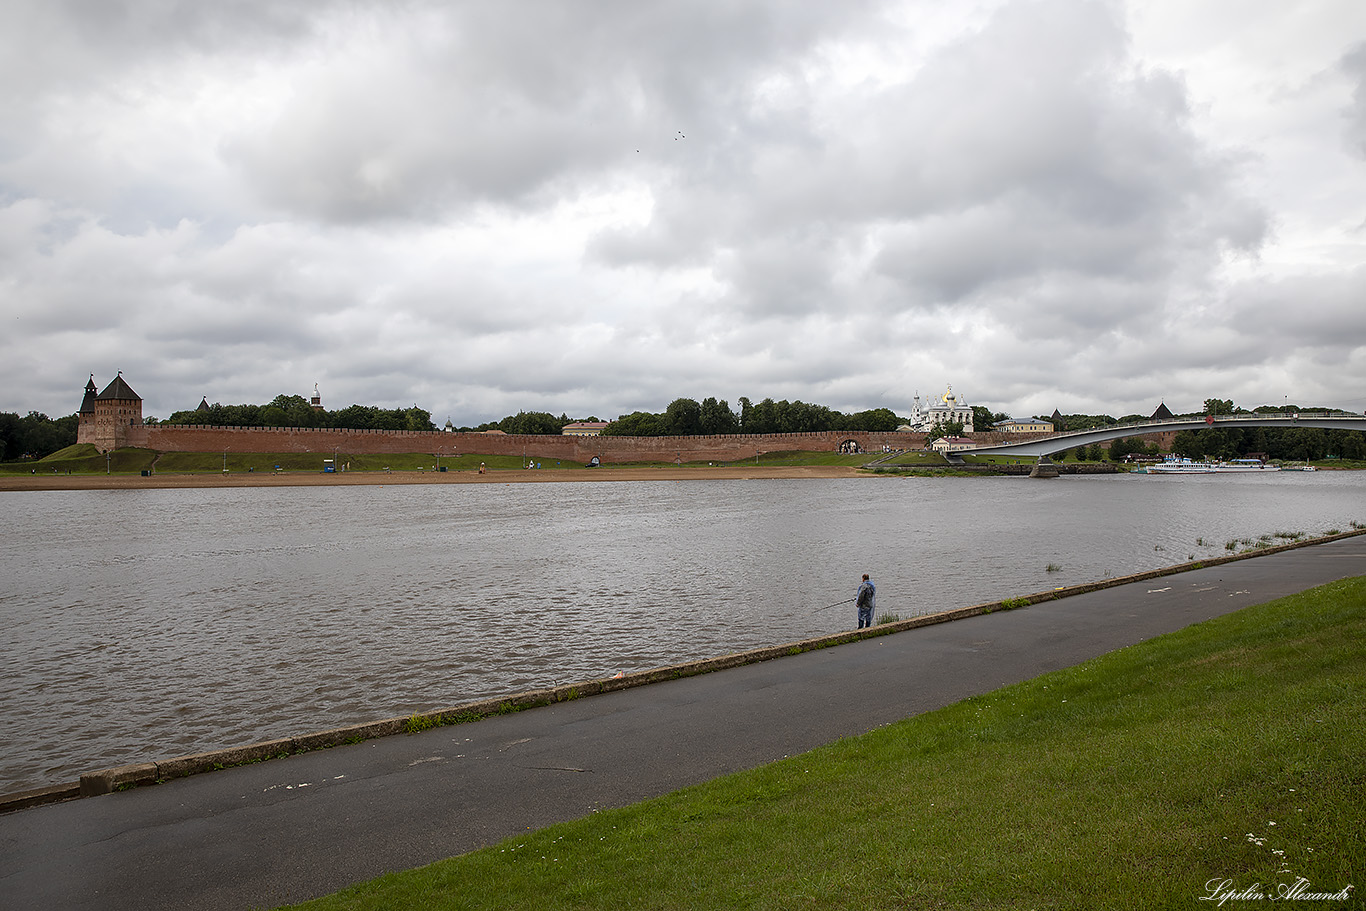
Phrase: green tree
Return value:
(1126, 446)
(1219, 406)
(1082, 421)
(717, 418)
(1351, 444)
(683, 417)
(876, 420)
(635, 424)
(1187, 443)
(529, 422)
(763, 417)
(416, 418)
(354, 417)
(35, 434)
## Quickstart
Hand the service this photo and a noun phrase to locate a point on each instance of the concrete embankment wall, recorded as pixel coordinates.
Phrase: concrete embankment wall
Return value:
(723, 447)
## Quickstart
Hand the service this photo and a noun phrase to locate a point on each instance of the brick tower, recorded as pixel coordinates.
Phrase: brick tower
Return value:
(106, 418)
(85, 425)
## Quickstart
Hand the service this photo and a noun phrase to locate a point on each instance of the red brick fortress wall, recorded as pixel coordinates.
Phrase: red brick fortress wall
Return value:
(729, 447)
(723, 448)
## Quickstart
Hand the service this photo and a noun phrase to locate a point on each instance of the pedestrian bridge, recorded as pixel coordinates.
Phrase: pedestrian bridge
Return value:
(1061, 442)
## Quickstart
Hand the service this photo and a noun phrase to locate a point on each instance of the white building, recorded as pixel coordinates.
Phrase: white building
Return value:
(947, 409)
(952, 444)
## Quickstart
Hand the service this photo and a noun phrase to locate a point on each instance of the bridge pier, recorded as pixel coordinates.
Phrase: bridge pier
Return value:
(1044, 469)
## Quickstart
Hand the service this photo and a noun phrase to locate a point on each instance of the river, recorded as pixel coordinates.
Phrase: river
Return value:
(143, 624)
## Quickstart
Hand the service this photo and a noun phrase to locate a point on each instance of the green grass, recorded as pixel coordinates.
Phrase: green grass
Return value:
(795, 457)
(1227, 751)
(84, 458)
(1000, 459)
(313, 461)
(917, 459)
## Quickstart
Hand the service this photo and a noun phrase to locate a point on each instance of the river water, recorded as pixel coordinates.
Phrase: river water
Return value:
(143, 624)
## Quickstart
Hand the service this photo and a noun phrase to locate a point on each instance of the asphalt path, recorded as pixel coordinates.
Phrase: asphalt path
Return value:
(286, 830)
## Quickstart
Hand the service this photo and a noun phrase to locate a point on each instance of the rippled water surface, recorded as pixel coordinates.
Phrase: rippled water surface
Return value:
(144, 624)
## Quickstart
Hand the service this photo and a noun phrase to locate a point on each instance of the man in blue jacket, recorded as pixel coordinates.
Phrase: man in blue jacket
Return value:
(866, 600)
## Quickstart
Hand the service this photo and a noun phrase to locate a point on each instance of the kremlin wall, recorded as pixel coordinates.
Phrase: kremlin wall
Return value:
(112, 419)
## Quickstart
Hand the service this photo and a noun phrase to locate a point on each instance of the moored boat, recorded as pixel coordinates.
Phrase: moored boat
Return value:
(1183, 465)
(1178, 465)
(1245, 465)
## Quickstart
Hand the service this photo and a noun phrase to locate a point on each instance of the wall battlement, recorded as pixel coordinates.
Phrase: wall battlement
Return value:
(723, 447)
(113, 419)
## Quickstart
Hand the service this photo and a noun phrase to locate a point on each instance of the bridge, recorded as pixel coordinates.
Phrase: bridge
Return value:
(1060, 442)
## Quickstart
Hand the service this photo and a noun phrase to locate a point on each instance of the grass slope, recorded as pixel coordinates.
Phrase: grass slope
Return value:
(1229, 751)
(83, 458)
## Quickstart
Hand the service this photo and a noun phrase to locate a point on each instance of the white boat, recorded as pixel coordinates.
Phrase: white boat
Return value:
(1244, 465)
(1181, 465)
(1305, 467)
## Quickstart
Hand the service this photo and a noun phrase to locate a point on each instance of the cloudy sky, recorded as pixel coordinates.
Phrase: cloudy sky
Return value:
(597, 206)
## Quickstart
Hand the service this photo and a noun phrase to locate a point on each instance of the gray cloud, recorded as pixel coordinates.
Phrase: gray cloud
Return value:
(1355, 66)
(607, 205)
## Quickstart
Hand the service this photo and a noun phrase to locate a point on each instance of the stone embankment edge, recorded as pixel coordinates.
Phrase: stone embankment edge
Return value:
(121, 778)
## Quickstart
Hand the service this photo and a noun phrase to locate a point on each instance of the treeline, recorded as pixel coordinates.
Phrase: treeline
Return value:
(1293, 444)
(1296, 444)
(35, 435)
(296, 411)
(687, 417)
(1212, 407)
(528, 422)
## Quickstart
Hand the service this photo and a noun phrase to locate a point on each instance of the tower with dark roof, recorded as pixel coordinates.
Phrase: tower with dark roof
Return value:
(111, 413)
(85, 418)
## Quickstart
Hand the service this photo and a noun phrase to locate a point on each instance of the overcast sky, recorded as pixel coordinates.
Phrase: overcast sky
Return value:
(597, 207)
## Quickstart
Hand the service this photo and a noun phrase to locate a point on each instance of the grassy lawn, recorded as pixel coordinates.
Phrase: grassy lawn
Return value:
(86, 459)
(999, 459)
(800, 457)
(1227, 751)
(313, 461)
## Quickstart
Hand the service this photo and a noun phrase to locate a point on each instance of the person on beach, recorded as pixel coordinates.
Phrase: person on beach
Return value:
(865, 601)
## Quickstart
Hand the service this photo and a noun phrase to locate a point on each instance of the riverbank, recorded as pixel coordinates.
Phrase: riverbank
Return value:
(1155, 776)
(1125, 776)
(167, 480)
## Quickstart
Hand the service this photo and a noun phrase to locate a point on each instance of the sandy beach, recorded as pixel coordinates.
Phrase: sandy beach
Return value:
(319, 479)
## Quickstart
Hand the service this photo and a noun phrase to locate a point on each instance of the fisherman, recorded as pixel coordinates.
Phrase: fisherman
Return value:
(866, 601)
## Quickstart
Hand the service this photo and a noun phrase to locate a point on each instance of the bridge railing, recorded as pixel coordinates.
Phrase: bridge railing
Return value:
(1289, 418)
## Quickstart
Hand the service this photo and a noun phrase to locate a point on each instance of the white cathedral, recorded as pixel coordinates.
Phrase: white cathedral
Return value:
(946, 409)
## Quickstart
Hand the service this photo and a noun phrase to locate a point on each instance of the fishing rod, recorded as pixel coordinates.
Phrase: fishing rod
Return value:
(836, 604)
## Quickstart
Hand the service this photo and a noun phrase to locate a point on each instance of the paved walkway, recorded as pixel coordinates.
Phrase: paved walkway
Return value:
(291, 829)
